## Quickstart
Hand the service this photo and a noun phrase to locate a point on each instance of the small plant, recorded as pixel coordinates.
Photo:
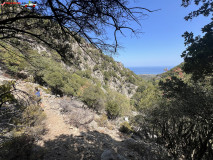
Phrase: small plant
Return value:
(20, 147)
(85, 58)
(102, 121)
(125, 128)
(95, 68)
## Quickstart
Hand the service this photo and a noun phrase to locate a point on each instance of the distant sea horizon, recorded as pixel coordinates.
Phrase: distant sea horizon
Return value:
(149, 69)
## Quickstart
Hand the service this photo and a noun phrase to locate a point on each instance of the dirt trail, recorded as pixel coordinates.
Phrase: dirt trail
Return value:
(55, 124)
(54, 121)
(64, 141)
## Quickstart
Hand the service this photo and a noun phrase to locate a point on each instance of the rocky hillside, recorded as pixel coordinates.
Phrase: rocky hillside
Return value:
(110, 73)
(83, 59)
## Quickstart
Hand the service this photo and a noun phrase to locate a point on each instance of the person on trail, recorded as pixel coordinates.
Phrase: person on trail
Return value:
(38, 96)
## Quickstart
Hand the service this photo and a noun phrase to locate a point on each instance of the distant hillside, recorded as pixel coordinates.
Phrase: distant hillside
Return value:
(170, 72)
(147, 77)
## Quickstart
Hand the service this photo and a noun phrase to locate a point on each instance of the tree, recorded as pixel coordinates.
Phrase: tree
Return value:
(205, 9)
(74, 18)
(198, 56)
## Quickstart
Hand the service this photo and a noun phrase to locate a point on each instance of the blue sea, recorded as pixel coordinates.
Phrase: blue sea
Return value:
(150, 70)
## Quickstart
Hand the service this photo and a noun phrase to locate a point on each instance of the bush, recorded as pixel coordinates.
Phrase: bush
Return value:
(106, 76)
(146, 96)
(6, 95)
(113, 110)
(182, 121)
(95, 68)
(94, 97)
(125, 128)
(12, 59)
(18, 148)
(23, 125)
(117, 104)
(73, 84)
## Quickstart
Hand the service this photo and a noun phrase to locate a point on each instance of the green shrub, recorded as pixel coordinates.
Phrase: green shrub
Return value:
(54, 79)
(73, 84)
(87, 74)
(122, 73)
(125, 128)
(18, 148)
(107, 76)
(95, 68)
(85, 58)
(117, 104)
(94, 97)
(146, 96)
(79, 51)
(12, 59)
(113, 110)
(6, 95)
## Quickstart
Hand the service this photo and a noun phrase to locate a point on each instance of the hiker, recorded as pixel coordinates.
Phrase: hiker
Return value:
(38, 96)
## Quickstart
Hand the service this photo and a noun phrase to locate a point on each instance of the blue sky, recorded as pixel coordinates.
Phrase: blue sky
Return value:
(161, 43)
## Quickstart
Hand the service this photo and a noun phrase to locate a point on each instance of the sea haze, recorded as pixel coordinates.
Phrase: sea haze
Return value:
(149, 69)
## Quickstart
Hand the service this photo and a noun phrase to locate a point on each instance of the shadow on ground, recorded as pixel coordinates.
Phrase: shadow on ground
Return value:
(87, 146)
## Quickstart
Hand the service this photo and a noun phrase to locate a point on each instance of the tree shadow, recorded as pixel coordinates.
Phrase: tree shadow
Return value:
(87, 146)
(91, 145)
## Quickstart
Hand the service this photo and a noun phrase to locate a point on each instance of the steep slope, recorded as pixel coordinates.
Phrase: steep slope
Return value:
(64, 140)
(85, 60)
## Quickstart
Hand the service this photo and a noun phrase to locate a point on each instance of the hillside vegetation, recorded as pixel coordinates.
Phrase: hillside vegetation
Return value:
(172, 109)
(95, 107)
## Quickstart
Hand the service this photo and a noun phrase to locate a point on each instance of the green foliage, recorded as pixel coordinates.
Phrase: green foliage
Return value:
(33, 116)
(87, 74)
(115, 67)
(54, 79)
(85, 58)
(107, 58)
(94, 97)
(12, 59)
(5, 93)
(147, 95)
(47, 70)
(125, 128)
(104, 65)
(106, 76)
(22, 123)
(198, 56)
(109, 74)
(95, 68)
(73, 85)
(131, 77)
(122, 73)
(117, 105)
(79, 51)
(205, 8)
(113, 109)
(182, 120)
(95, 52)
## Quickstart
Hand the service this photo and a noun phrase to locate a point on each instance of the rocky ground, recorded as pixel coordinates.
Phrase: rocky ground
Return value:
(73, 132)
